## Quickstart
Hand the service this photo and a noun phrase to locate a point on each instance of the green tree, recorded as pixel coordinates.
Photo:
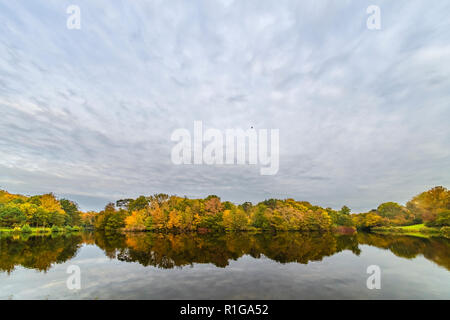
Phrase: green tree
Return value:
(345, 210)
(11, 216)
(442, 219)
(259, 218)
(240, 219)
(116, 220)
(389, 209)
(73, 217)
(138, 204)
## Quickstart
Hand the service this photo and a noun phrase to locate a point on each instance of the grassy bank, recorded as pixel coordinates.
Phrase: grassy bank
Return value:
(417, 230)
(41, 230)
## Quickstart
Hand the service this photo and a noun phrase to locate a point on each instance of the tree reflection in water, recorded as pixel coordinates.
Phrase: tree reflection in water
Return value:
(178, 250)
(37, 252)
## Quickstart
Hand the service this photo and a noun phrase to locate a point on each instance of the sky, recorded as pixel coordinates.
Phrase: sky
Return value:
(363, 115)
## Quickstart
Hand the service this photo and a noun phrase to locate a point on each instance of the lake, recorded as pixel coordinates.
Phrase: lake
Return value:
(287, 265)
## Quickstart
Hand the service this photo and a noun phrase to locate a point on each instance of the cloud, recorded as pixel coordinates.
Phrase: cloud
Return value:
(88, 113)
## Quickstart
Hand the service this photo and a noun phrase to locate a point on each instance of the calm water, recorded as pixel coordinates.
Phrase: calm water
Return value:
(228, 266)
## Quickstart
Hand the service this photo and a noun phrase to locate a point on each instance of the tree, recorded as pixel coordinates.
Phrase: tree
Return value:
(157, 220)
(159, 198)
(345, 210)
(213, 205)
(344, 220)
(102, 218)
(427, 205)
(116, 221)
(11, 216)
(36, 200)
(240, 219)
(271, 203)
(123, 203)
(49, 202)
(389, 209)
(174, 220)
(72, 214)
(136, 221)
(41, 218)
(442, 219)
(88, 219)
(317, 220)
(30, 210)
(277, 221)
(187, 219)
(247, 206)
(372, 220)
(138, 204)
(57, 216)
(227, 220)
(259, 218)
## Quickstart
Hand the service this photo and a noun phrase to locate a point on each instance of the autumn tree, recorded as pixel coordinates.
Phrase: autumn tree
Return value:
(427, 205)
(157, 218)
(136, 221)
(174, 221)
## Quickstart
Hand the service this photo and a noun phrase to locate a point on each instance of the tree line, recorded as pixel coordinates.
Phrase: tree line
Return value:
(161, 212)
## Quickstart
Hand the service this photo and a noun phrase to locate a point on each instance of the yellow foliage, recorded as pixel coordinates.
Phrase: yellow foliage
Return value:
(6, 197)
(227, 220)
(174, 220)
(49, 202)
(158, 217)
(28, 209)
(136, 221)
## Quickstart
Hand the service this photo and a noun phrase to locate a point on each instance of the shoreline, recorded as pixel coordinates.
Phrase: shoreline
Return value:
(419, 231)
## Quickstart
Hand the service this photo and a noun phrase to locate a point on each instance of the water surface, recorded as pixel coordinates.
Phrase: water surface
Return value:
(287, 265)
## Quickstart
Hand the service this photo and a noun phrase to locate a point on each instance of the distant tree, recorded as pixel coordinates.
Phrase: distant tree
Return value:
(157, 219)
(88, 219)
(138, 204)
(442, 219)
(345, 210)
(427, 205)
(159, 198)
(136, 221)
(389, 209)
(11, 216)
(227, 220)
(116, 221)
(344, 220)
(36, 200)
(174, 221)
(259, 218)
(123, 203)
(271, 203)
(213, 205)
(372, 220)
(73, 217)
(247, 206)
(240, 219)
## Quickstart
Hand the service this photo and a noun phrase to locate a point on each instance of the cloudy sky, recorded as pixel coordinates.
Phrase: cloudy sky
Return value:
(88, 114)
